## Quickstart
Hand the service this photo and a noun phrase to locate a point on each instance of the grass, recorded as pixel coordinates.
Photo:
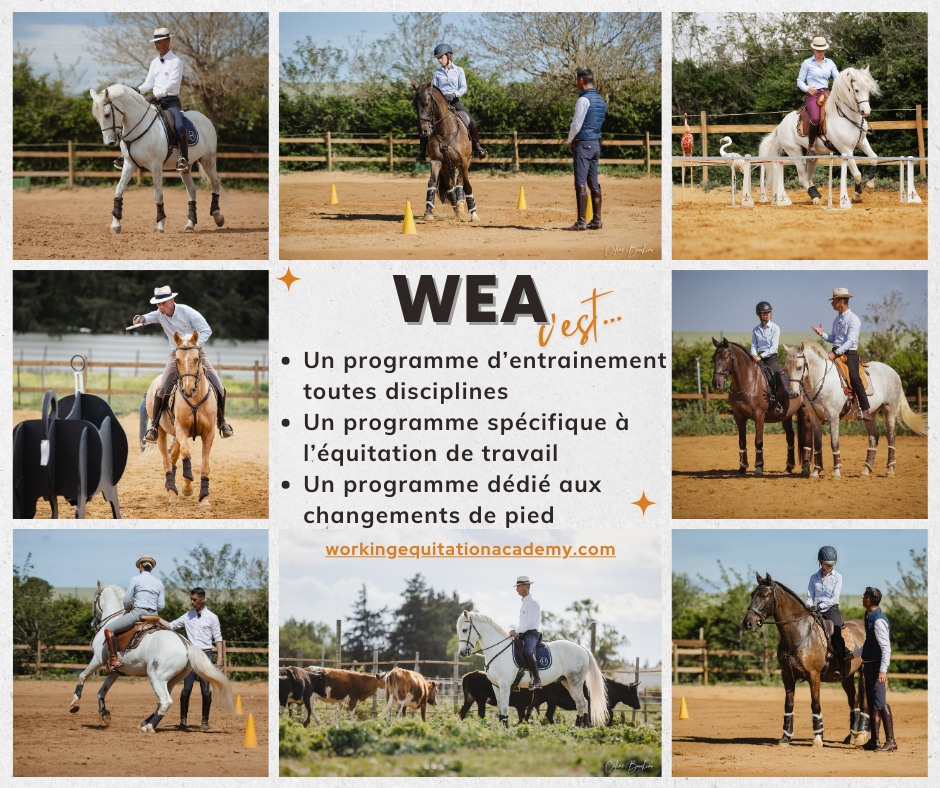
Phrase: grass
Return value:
(449, 747)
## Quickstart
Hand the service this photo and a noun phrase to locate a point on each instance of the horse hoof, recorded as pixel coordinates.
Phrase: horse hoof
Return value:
(172, 498)
(428, 217)
(783, 743)
(815, 201)
(205, 504)
(758, 471)
(742, 471)
(147, 729)
(870, 184)
(73, 708)
(106, 717)
(890, 472)
(474, 217)
(116, 230)
(814, 475)
(866, 473)
(219, 219)
(158, 230)
(189, 229)
(817, 743)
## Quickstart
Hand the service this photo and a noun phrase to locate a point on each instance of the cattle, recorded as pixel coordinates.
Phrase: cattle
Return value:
(408, 690)
(347, 686)
(478, 689)
(298, 686)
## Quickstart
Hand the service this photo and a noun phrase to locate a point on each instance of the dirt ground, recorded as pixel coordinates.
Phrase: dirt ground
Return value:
(733, 732)
(706, 484)
(48, 741)
(74, 224)
(706, 227)
(367, 222)
(238, 478)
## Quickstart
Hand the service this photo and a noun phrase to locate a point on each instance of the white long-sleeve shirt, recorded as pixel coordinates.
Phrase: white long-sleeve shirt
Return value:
(202, 629)
(530, 615)
(165, 76)
(824, 591)
(185, 320)
(882, 636)
(581, 107)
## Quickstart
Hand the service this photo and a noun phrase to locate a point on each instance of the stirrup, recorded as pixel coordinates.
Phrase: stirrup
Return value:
(182, 165)
(225, 430)
(151, 435)
(118, 164)
(480, 153)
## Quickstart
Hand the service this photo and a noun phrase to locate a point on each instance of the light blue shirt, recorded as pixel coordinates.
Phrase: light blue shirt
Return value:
(146, 592)
(765, 341)
(816, 75)
(451, 81)
(185, 320)
(824, 591)
(845, 330)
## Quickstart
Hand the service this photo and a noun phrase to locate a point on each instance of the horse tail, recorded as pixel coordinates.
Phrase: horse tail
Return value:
(916, 422)
(204, 668)
(597, 688)
(769, 145)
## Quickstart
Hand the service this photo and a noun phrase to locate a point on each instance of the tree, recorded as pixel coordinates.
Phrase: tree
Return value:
(225, 59)
(585, 612)
(227, 575)
(407, 54)
(309, 639)
(907, 604)
(367, 631)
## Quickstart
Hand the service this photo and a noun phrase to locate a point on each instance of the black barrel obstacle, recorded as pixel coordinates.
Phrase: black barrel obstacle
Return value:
(77, 449)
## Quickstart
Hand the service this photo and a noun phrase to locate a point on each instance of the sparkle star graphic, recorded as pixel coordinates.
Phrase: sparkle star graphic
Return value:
(643, 502)
(288, 278)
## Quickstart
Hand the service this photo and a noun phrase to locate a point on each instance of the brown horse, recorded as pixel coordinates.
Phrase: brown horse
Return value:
(749, 399)
(190, 412)
(802, 656)
(449, 151)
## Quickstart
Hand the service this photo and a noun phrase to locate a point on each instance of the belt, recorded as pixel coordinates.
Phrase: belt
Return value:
(147, 609)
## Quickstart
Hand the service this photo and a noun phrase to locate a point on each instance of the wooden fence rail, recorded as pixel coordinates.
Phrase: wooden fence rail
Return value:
(390, 158)
(72, 154)
(708, 396)
(43, 648)
(703, 129)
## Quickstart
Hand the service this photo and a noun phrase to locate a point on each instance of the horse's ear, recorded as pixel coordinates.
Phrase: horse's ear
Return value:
(93, 93)
(714, 342)
(785, 348)
(176, 337)
(760, 580)
(415, 87)
(769, 579)
(99, 585)
(195, 337)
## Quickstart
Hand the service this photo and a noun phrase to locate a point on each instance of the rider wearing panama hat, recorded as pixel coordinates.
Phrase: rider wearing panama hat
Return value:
(144, 597)
(844, 338)
(183, 319)
(527, 632)
(815, 73)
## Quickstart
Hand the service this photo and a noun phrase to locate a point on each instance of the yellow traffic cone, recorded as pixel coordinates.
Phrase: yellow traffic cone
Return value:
(521, 204)
(683, 710)
(589, 213)
(408, 228)
(250, 739)
(334, 200)
(238, 704)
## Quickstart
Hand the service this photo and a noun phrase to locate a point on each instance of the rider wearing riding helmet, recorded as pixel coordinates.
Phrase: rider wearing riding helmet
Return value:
(452, 82)
(164, 78)
(822, 596)
(765, 344)
(527, 633)
(815, 73)
(144, 597)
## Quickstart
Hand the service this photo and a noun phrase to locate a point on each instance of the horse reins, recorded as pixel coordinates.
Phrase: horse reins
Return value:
(96, 622)
(730, 376)
(193, 406)
(473, 628)
(860, 125)
(822, 380)
(121, 135)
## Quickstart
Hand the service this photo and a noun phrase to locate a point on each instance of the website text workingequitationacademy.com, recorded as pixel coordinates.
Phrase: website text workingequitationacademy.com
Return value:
(467, 550)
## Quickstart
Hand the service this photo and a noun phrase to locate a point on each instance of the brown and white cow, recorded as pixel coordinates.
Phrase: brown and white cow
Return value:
(347, 686)
(409, 690)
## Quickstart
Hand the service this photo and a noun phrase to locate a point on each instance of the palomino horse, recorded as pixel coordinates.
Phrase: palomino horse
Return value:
(573, 664)
(163, 657)
(847, 111)
(449, 151)
(814, 376)
(748, 397)
(128, 119)
(802, 656)
(190, 412)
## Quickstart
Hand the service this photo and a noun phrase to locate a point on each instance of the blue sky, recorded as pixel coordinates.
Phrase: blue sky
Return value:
(52, 36)
(867, 557)
(725, 300)
(77, 558)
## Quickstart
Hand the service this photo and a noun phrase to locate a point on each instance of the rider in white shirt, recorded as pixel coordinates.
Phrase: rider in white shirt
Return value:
(144, 597)
(528, 631)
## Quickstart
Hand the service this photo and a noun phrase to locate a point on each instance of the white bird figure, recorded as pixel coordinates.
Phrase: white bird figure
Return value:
(737, 164)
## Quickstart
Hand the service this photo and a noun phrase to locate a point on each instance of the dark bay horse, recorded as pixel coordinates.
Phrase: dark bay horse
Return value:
(449, 151)
(749, 399)
(802, 656)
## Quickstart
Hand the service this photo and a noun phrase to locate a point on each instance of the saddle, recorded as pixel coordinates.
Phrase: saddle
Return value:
(127, 641)
(803, 121)
(829, 630)
(543, 656)
(773, 401)
(843, 368)
(166, 117)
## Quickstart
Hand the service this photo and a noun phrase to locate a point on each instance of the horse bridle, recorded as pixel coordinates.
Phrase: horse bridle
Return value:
(762, 617)
(729, 375)
(97, 621)
(799, 381)
(860, 125)
(473, 628)
(197, 374)
(119, 132)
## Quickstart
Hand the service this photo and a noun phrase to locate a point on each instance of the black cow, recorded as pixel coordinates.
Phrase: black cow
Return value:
(478, 689)
(557, 697)
(298, 686)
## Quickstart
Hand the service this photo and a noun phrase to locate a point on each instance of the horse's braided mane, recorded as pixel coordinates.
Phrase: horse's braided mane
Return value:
(789, 590)
(485, 619)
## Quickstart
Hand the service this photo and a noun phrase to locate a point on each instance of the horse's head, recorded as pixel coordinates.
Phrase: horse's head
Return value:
(108, 600)
(424, 106)
(858, 86)
(188, 362)
(723, 362)
(467, 634)
(801, 360)
(107, 115)
(763, 603)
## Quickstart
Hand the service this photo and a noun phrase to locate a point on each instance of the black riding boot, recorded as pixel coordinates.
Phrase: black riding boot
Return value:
(422, 157)
(534, 670)
(475, 141)
(582, 198)
(890, 744)
(206, 704)
(872, 743)
(158, 404)
(183, 164)
(184, 711)
(596, 205)
(813, 132)
(225, 429)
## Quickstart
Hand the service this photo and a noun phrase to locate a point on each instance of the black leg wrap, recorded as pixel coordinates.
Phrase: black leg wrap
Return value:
(858, 188)
(813, 192)
(188, 468)
(871, 172)
(471, 203)
(160, 214)
(429, 199)
(215, 203)
(171, 481)
(203, 487)
(192, 211)
(78, 690)
(118, 212)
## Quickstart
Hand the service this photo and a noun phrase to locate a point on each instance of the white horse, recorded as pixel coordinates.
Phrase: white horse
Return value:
(128, 119)
(814, 376)
(571, 663)
(846, 128)
(163, 657)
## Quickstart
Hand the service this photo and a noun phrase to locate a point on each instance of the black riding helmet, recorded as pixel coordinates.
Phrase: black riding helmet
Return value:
(763, 306)
(443, 49)
(827, 555)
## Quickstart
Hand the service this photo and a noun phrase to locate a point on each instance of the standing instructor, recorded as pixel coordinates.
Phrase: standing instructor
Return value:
(584, 143)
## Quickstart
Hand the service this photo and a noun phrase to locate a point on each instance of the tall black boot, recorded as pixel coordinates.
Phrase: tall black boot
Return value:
(225, 429)
(206, 704)
(534, 670)
(184, 711)
(158, 404)
(475, 141)
(581, 197)
(813, 132)
(183, 164)
(890, 744)
(872, 743)
(596, 206)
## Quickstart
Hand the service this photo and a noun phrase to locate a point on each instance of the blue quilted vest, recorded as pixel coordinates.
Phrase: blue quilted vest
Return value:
(871, 651)
(591, 128)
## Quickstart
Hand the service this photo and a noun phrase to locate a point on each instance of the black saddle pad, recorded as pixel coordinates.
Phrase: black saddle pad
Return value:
(192, 135)
(542, 656)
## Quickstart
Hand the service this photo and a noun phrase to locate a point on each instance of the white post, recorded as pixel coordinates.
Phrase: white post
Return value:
(747, 199)
(831, 161)
(912, 195)
(734, 182)
(845, 202)
(901, 189)
(780, 198)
